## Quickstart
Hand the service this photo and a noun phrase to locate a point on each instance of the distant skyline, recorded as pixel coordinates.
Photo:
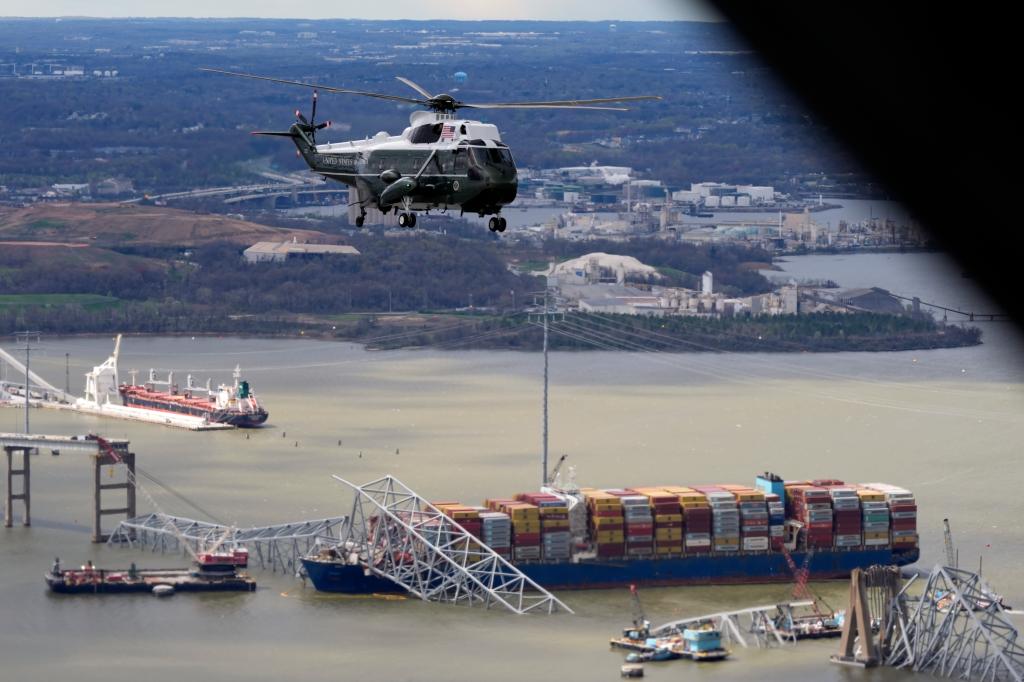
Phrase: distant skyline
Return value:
(565, 10)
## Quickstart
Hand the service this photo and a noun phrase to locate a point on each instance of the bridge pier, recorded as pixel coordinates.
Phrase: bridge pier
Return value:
(99, 461)
(26, 484)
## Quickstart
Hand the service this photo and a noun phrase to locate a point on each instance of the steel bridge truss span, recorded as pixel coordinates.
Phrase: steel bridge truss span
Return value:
(278, 548)
(403, 538)
(954, 629)
(758, 622)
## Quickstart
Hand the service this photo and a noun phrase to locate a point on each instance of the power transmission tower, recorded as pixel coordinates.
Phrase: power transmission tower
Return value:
(550, 308)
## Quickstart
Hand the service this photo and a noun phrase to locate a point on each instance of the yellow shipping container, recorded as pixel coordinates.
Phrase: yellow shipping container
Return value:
(523, 525)
(606, 520)
(668, 518)
(548, 511)
(876, 535)
(610, 536)
(669, 534)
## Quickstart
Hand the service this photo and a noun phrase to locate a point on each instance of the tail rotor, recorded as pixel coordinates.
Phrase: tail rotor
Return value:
(310, 126)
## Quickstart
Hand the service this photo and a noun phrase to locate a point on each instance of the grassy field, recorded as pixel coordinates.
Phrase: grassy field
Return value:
(87, 301)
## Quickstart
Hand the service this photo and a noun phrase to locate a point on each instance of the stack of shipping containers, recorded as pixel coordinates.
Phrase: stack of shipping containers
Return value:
(467, 517)
(753, 520)
(776, 521)
(725, 519)
(696, 520)
(554, 525)
(606, 523)
(668, 521)
(525, 531)
(497, 532)
(902, 514)
(874, 517)
(846, 515)
(639, 523)
(636, 513)
(812, 506)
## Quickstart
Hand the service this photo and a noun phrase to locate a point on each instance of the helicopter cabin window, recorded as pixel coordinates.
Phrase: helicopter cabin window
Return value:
(426, 134)
(460, 159)
(491, 155)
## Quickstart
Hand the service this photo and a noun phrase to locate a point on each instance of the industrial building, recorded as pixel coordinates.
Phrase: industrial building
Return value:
(267, 252)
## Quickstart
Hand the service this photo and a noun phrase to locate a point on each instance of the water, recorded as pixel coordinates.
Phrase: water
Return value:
(945, 423)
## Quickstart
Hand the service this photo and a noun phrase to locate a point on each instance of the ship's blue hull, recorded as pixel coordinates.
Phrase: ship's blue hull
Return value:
(704, 569)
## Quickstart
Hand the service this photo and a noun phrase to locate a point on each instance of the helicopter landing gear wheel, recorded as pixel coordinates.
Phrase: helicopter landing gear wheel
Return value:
(494, 224)
(360, 219)
(502, 224)
(403, 220)
(412, 220)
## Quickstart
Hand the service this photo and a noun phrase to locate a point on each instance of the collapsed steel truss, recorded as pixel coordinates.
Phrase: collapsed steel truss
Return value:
(278, 547)
(403, 538)
(953, 629)
(757, 622)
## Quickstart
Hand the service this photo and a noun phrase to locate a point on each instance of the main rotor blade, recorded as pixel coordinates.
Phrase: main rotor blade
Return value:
(414, 87)
(565, 102)
(536, 106)
(325, 88)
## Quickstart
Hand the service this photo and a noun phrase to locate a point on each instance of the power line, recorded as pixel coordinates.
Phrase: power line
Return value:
(607, 341)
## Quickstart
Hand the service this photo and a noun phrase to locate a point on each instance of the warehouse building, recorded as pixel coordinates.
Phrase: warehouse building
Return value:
(266, 252)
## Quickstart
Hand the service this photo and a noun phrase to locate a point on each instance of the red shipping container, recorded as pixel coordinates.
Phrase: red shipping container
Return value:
(607, 526)
(610, 549)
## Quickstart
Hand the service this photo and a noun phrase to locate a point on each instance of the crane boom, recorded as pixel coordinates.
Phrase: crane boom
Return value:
(947, 536)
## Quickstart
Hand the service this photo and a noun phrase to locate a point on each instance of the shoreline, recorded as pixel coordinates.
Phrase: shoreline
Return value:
(528, 339)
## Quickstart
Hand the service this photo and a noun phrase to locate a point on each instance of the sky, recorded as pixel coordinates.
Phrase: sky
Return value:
(557, 10)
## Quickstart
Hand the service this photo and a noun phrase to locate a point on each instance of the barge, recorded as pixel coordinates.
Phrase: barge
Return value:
(211, 572)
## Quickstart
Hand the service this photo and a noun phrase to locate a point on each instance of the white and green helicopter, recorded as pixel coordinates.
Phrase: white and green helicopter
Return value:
(441, 161)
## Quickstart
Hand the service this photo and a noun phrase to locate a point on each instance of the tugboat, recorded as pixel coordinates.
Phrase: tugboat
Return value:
(211, 572)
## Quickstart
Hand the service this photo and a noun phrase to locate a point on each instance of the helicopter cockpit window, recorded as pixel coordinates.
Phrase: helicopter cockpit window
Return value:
(479, 155)
(426, 134)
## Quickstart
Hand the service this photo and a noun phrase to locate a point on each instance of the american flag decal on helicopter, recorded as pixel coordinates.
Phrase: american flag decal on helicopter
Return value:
(448, 132)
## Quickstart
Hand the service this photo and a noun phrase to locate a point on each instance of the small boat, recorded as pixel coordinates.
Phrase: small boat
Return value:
(631, 670)
(163, 590)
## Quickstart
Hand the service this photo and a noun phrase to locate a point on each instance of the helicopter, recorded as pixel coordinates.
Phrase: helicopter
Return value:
(441, 161)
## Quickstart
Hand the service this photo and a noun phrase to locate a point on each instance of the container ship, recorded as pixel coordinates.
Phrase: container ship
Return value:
(674, 535)
(235, 405)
